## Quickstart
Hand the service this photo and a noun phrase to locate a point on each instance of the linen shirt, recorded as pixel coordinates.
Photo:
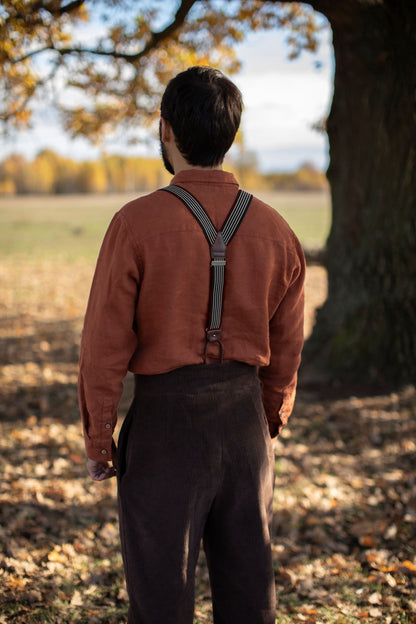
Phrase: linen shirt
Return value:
(149, 301)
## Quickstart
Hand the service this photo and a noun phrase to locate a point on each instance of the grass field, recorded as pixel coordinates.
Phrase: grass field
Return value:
(71, 226)
(344, 543)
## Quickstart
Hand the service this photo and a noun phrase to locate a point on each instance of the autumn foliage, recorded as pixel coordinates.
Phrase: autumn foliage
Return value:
(114, 79)
(49, 173)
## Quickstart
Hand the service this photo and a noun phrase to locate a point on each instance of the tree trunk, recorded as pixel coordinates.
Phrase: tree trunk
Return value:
(366, 330)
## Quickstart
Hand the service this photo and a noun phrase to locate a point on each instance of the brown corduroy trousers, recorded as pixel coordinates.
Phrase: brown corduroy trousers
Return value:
(196, 462)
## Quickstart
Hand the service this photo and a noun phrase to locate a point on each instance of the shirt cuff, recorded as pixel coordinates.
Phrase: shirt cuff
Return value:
(101, 450)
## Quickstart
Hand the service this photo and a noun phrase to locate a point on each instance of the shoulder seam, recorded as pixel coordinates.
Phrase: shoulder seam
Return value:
(132, 241)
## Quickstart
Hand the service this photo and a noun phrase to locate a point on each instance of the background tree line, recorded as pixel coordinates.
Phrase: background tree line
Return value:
(51, 173)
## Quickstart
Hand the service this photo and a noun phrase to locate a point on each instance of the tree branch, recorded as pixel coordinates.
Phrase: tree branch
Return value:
(155, 40)
(34, 8)
(179, 19)
(68, 8)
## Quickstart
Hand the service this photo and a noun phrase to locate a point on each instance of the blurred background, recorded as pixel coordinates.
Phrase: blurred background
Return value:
(328, 100)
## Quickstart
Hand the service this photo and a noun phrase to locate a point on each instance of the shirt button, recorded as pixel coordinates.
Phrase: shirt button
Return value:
(108, 426)
(103, 452)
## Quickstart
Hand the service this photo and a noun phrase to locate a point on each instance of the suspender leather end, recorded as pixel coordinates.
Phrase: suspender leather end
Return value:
(213, 335)
(219, 248)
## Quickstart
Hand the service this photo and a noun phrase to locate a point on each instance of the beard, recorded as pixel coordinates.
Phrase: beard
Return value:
(164, 154)
(165, 158)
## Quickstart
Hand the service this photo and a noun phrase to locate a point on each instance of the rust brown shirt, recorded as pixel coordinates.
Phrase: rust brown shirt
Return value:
(149, 301)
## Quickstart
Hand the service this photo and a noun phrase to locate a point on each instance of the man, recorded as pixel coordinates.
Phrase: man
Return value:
(195, 457)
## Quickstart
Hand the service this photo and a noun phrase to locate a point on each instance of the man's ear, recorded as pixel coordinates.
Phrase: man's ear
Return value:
(165, 130)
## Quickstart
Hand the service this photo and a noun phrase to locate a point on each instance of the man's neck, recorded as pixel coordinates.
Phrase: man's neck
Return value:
(180, 164)
(187, 167)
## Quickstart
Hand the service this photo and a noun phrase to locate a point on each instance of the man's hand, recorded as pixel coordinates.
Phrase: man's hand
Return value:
(99, 471)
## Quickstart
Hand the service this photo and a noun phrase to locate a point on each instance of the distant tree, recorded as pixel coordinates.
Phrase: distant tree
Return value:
(7, 183)
(7, 186)
(39, 175)
(11, 169)
(306, 178)
(310, 178)
(116, 174)
(244, 164)
(92, 177)
(366, 328)
(67, 176)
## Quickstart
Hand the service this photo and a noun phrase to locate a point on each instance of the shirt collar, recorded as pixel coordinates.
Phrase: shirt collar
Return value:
(204, 176)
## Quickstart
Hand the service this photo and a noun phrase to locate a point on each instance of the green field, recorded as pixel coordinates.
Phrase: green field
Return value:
(71, 227)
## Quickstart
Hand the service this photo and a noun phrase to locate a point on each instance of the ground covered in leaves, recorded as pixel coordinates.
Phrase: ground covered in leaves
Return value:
(345, 521)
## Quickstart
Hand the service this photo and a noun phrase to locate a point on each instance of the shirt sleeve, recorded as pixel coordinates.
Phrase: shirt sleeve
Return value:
(108, 338)
(279, 378)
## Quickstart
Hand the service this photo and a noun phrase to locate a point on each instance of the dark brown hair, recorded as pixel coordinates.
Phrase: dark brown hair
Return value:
(204, 109)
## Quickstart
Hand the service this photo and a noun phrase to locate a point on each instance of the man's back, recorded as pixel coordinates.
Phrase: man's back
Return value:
(172, 257)
(195, 457)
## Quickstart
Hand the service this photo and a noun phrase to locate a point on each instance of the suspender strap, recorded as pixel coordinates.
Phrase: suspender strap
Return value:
(196, 209)
(218, 248)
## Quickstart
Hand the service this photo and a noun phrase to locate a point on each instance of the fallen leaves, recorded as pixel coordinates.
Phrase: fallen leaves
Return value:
(344, 543)
(345, 521)
(407, 567)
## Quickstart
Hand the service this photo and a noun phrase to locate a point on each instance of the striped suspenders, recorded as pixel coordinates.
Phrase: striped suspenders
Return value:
(218, 243)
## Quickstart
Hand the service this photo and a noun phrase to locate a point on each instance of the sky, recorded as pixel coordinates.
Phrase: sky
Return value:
(282, 101)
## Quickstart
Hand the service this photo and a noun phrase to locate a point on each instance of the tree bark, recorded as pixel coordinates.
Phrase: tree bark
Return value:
(366, 330)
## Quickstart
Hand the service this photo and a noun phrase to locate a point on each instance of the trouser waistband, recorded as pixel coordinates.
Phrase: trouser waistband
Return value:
(196, 377)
